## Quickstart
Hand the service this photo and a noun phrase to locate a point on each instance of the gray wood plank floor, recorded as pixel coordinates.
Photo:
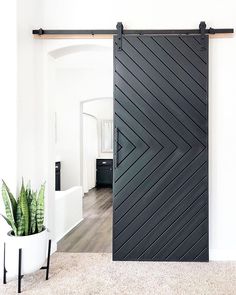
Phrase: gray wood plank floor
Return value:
(94, 233)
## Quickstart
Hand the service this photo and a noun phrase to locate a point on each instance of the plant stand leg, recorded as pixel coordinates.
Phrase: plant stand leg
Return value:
(4, 265)
(48, 260)
(19, 271)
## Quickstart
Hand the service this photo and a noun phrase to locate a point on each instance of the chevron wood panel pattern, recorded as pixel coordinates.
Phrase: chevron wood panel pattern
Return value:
(160, 192)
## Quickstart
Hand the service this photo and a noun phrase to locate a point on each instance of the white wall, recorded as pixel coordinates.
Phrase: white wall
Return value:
(22, 115)
(222, 141)
(8, 107)
(67, 147)
(68, 211)
(33, 127)
(24, 109)
(154, 14)
(90, 151)
(33, 130)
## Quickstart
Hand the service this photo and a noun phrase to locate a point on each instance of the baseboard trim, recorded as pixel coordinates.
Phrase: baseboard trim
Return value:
(222, 255)
(70, 229)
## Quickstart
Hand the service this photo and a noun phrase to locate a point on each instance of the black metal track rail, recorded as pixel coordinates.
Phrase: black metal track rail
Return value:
(209, 31)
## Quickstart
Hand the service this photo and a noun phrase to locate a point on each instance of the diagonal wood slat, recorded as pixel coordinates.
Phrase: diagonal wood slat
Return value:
(160, 192)
(125, 147)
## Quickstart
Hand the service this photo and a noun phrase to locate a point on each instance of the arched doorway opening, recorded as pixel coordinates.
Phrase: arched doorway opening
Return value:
(75, 72)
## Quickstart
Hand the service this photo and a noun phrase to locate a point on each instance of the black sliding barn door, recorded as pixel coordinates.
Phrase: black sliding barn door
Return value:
(160, 198)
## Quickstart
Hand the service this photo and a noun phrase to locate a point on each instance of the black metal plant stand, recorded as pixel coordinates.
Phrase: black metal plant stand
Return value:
(20, 276)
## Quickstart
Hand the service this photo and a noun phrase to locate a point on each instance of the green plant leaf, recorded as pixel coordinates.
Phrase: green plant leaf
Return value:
(33, 207)
(19, 220)
(40, 208)
(11, 197)
(29, 192)
(24, 208)
(8, 208)
(21, 227)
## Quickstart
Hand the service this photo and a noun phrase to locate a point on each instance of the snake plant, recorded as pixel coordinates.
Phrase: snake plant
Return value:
(25, 214)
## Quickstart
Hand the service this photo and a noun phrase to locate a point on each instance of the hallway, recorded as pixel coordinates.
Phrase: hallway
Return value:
(94, 233)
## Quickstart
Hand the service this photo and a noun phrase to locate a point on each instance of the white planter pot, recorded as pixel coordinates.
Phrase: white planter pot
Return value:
(34, 248)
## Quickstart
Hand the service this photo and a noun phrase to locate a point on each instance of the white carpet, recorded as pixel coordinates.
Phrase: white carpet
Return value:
(83, 273)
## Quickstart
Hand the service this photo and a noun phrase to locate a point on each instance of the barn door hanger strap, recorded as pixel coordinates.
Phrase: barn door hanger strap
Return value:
(85, 34)
(119, 27)
(202, 29)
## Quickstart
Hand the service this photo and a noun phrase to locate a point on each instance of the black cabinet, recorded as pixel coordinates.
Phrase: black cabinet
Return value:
(104, 175)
